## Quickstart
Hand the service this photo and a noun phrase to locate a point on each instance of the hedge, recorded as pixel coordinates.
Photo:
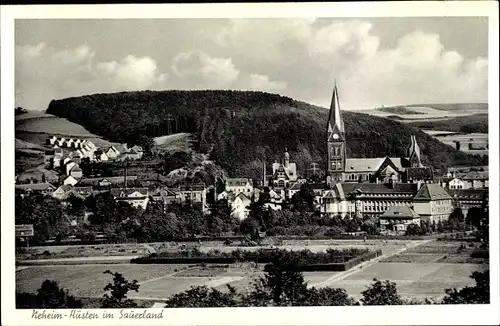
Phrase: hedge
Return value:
(289, 259)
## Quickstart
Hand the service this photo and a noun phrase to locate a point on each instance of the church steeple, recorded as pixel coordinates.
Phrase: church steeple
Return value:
(335, 123)
(335, 142)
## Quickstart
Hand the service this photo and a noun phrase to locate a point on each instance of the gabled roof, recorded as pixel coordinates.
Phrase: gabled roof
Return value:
(363, 164)
(242, 196)
(335, 193)
(421, 173)
(431, 191)
(471, 194)
(399, 213)
(380, 188)
(476, 175)
(75, 168)
(234, 182)
(125, 192)
(35, 186)
(65, 187)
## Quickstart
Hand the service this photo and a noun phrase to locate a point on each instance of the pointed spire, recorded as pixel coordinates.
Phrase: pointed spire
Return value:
(335, 119)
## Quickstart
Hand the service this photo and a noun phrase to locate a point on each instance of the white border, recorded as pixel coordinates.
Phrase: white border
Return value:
(435, 315)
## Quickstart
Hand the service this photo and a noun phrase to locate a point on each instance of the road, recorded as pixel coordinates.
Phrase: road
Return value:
(342, 275)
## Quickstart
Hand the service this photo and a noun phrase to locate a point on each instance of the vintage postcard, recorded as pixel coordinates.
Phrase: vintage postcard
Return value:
(250, 164)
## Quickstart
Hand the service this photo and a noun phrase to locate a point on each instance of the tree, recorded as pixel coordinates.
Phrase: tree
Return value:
(202, 296)
(49, 295)
(118, 292)
(456, 220)
(381, 293)
(480, 293)
(474, 216)
(413, 229)
(280, 286)
(328, 297)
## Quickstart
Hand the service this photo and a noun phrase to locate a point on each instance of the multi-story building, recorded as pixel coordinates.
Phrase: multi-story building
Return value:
(433, 203)
(239, 185)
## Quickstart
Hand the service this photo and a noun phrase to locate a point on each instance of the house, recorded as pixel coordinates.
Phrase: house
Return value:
(193, 193)
(398, 218)
(100, 156)
(454, 183)
(239, 185)
(112, 153)
(133, 154)
(137, 197)
(165, 196)
(107, 181)
(334, 202)
(61, 192)
(76, 143)
(52, 140)
(239, 206)
(61, 142)
(68, 165)
(433, 203)
(69, 143)
(76, 172)
(83, 191)
(476, 180)
(42, 188)
(70, 180)
(224, 195)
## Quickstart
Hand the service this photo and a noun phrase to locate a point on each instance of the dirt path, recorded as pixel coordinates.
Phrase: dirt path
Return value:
(342, 275)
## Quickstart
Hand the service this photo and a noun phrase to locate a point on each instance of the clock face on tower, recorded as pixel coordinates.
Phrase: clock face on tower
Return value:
(335, 136)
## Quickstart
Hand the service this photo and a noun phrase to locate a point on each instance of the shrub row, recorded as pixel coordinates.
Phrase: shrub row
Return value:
(333, 267)
(299, 257)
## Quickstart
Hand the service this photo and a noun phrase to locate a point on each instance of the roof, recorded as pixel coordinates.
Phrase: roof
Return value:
(233, 182)
(471, 194)
(398, 162)
(83, 189)
(65, 187)
(380, 188)
(476, 175)
(334, 116)
(192, 187)
(425, 173)
(120, 148)
(335, 193)
(117, 192)
(95, 181)
(75, 168)
(399, 212)
(363, 164)
(431, 191)
(242, 196)
(35, 186)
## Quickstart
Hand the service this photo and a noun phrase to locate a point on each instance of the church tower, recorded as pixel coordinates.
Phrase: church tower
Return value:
(336, 143)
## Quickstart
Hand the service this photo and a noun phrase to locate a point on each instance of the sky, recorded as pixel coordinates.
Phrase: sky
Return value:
(374, 61)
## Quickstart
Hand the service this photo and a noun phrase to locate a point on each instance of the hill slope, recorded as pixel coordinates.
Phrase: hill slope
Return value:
(476, 123)
(240, 129)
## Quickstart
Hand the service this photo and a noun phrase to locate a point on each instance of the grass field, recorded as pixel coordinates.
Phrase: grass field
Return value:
(418, 273)
(55, 252)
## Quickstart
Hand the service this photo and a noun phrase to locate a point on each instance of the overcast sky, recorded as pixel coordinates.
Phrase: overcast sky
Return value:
(379, 61)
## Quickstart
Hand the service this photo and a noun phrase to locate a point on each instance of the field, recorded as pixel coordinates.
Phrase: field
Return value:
(449, 138)
(174, 142)
(418, 268)
(35, 127)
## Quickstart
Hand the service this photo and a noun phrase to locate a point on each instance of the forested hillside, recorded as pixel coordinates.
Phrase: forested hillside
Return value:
(239, 129)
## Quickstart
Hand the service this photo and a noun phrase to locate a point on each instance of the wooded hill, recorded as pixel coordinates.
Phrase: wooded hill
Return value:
(240, 129)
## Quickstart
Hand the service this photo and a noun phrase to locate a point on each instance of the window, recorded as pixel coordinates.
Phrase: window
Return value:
(281, 183)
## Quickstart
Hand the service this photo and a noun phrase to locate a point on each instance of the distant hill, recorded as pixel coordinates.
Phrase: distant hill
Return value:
(476, 123)
(454, 106)
(240, 129)
(398, 110)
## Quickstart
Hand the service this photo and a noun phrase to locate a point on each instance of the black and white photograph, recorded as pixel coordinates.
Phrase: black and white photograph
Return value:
(241, 162)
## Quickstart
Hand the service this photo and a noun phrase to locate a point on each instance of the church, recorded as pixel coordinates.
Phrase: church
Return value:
(340, 168)
(370, 187)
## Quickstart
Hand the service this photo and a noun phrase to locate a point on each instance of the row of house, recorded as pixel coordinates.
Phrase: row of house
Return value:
(469, 180)
(73, 143)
